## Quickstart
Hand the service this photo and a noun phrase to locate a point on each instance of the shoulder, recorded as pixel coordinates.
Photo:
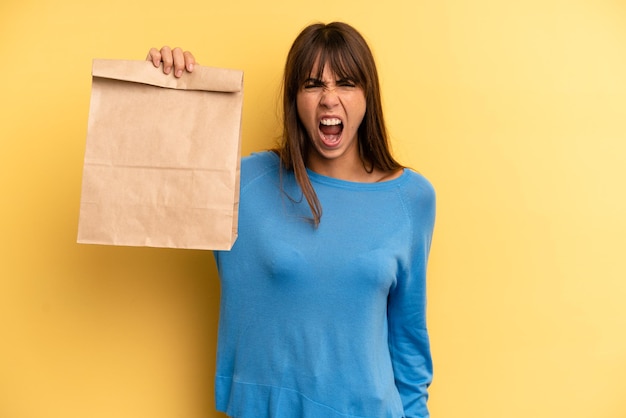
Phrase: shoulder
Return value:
(419, 199)
(260, 161)
(257, 165)
(417, 187)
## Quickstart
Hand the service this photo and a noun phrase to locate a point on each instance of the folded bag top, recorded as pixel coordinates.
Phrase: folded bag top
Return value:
(203, 78)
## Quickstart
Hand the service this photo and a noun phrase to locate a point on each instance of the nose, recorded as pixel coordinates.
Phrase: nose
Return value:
(329, 97)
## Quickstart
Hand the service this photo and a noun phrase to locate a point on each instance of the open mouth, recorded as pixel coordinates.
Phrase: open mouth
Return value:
(331, 129)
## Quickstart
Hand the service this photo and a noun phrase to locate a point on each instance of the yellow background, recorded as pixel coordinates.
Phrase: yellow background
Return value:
(515, 110)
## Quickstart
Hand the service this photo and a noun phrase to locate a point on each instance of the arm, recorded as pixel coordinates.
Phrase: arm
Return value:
(176, 59)
(408, 335)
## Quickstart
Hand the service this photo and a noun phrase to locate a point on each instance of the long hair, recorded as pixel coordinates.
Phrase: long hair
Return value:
(342, 48)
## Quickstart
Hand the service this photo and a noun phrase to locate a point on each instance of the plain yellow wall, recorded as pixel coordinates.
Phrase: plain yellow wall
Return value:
(516, 110)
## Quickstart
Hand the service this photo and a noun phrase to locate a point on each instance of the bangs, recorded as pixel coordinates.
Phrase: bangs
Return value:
(335, 54)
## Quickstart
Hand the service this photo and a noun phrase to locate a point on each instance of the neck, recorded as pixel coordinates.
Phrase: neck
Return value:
(356, 172)
(343, 168)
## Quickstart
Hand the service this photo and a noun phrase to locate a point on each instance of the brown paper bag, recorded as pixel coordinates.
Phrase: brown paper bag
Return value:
(162, 157)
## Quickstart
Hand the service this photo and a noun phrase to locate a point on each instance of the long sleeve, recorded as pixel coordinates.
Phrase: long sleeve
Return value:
(408, 336)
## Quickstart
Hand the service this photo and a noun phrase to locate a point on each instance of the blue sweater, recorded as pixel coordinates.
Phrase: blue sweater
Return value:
(325, 322)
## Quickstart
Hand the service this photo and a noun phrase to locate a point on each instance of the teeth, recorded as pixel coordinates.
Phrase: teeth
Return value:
(331, 122)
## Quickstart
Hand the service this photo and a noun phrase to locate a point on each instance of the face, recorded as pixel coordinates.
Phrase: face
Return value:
(331, 111)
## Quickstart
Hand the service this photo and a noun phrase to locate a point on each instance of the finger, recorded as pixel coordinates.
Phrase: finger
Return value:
(179, 61)
(190, 61)
(167, 59)
(154, 56)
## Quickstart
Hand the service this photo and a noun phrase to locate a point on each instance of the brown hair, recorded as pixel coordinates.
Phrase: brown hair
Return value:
(343, 48)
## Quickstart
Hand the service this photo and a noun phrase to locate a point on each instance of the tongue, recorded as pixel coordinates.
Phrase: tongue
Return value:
(331, 129)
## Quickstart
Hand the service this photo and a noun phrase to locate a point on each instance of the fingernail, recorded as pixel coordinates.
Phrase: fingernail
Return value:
(179, 73)
(167, 70)
(190, 68)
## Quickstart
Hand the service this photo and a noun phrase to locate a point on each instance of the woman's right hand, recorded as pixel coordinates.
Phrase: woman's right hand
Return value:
(173, 59)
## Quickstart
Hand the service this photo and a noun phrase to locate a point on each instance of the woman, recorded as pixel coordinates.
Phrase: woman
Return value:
(324, 316)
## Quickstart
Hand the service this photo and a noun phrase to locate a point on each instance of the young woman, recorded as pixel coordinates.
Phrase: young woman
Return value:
(323, 303)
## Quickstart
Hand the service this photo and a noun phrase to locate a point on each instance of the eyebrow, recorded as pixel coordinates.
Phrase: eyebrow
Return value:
(313, 80)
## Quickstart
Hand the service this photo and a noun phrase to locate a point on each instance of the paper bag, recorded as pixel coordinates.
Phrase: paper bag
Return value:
(162, 157)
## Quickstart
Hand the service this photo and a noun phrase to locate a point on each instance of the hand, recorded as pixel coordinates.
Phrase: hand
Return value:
(175, 58)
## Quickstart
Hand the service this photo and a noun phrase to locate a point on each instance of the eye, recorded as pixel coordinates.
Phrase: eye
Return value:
(346, 83)
(312, 84)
